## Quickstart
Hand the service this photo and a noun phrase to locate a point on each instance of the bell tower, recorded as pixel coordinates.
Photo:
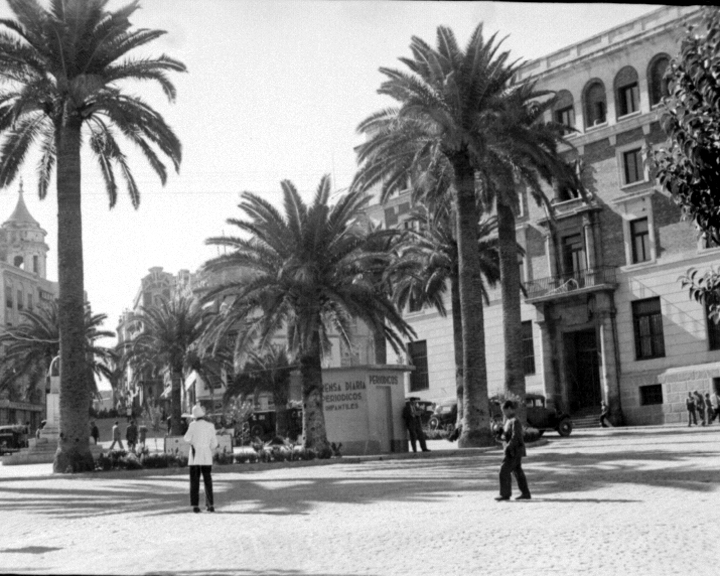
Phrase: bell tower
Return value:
(23, 240)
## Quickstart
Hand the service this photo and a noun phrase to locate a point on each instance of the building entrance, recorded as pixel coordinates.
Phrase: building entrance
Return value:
(583, 370)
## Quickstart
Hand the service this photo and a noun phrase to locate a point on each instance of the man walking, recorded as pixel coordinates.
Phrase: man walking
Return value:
(413, 423)
(94, 432)
(203, 442)
(690, 405)
(700, 406)
(513, 450)
(116, 436)
(604, 411)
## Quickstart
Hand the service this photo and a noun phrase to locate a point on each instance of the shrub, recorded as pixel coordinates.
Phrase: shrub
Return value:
(223, 457)
(154, 460)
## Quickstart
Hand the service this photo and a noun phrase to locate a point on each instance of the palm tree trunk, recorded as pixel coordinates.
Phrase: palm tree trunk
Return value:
(312, 389)
(510, 290)
(73, 454)
(380, 346)
(281, 414)
(476, 418)
(176, 383)
(458, 341)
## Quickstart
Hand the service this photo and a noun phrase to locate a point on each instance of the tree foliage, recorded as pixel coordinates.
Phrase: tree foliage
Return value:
(689, 168)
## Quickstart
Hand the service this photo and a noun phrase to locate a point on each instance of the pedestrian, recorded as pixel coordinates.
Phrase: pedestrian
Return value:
(128, 412)
(716, 405)
(700, 406)
(38, 432)
(709, 411)
(690, 405)
(513, 452)
(413, 423)
(604, 411)
(169, 425)
(94, 431)
(131, 435)
(116, 436)
(143, 435)
(203, 443)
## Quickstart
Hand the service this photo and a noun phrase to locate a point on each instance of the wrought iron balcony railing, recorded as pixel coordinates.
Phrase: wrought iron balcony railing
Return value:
(602, 277)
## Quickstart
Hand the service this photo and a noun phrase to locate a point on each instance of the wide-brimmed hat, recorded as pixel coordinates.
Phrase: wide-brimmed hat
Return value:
(198, 411)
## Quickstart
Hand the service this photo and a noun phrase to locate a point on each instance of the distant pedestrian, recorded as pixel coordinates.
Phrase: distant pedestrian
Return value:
(513, 453)
(169, 424)
(131, 435)
(690, 406)
(143, 434)
(128, 412)
(94, 432)
(203, 443)
(709, 411)
(716, 406)
(38, 432)
(604, 411)
(116, 436)
(700, 406)
(413, 423)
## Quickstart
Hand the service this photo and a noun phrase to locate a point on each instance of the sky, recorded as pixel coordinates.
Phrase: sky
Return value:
(275, 90)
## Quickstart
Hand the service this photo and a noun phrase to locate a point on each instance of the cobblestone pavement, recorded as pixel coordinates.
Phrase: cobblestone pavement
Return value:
(642, 501)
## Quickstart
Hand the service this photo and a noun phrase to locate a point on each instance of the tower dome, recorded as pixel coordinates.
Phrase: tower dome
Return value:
(22, 242)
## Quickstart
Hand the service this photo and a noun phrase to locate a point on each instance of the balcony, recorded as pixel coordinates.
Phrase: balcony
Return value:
(581, 282)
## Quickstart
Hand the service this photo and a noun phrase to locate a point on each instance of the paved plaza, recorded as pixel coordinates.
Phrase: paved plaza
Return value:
(635, 501)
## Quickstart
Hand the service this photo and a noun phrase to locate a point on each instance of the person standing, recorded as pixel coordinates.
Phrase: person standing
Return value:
(203, 443)
(716, 406)
(143, 434)
(131, 435)
(413, 423)
(94, 431)
(513, 453)
(604, 411)
(709, 411)
(116, 436)
(690, 406)
(700, 406)
(128, 412)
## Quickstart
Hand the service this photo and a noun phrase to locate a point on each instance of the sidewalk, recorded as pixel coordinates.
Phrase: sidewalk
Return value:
(634, 502)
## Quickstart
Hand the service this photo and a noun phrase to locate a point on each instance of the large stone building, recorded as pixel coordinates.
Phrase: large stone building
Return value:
(605, 316)
(23, 286)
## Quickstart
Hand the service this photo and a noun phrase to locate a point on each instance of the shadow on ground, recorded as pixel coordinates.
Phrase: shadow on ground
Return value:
(557, 473)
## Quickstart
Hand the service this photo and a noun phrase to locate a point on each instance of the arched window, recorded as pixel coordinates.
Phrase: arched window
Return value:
(563, 110)
(18, 262)
(627, 92)
(657, 84)
(595, 103)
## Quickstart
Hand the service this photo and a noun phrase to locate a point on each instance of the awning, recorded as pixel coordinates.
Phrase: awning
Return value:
(166, 393)
(191, 379)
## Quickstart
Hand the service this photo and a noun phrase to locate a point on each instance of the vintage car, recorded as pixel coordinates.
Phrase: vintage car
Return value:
(444, 416)
(539, 415)
(425, 407)
(13, 437)
(262, 424)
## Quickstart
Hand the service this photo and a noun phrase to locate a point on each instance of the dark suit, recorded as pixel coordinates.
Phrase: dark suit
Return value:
(514, 449)
(414, 426)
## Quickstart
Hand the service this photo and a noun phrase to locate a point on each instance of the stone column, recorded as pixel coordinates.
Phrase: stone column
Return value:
(551, 379)
(550, 249)
(610, 373)
(589, 235)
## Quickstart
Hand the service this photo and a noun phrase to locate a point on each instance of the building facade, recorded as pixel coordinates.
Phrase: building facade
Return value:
(605, 316)
(23, 286)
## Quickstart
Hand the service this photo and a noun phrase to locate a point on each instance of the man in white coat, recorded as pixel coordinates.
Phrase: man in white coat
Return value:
(203, 442)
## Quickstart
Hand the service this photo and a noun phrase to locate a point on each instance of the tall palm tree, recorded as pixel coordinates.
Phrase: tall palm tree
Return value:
(437, 130)
(452, 123)
(428, 262)
(167, 343)
(29, 348)
(266, 371)
(63, 69)
(306, 277)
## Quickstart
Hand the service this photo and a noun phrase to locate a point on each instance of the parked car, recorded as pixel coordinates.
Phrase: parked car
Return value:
(13, 437)
(425, 407)
(262, 424)
(539, 415)
(444, 416)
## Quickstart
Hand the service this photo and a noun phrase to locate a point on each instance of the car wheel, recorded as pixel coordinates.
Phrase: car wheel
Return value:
(449, 427)
(565, 427)
(434, 423)
(256, 430)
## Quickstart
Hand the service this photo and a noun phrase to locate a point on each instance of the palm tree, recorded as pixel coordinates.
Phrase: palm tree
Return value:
(453, 122)
(266, 371)
(63, 68)
(170, 332)
(29, 347)
(307, 276)
(428, 262)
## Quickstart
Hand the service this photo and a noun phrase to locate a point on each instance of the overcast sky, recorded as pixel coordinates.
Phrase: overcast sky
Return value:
(275, 90)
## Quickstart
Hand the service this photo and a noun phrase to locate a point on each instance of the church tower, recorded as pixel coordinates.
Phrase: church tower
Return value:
(22, 241)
